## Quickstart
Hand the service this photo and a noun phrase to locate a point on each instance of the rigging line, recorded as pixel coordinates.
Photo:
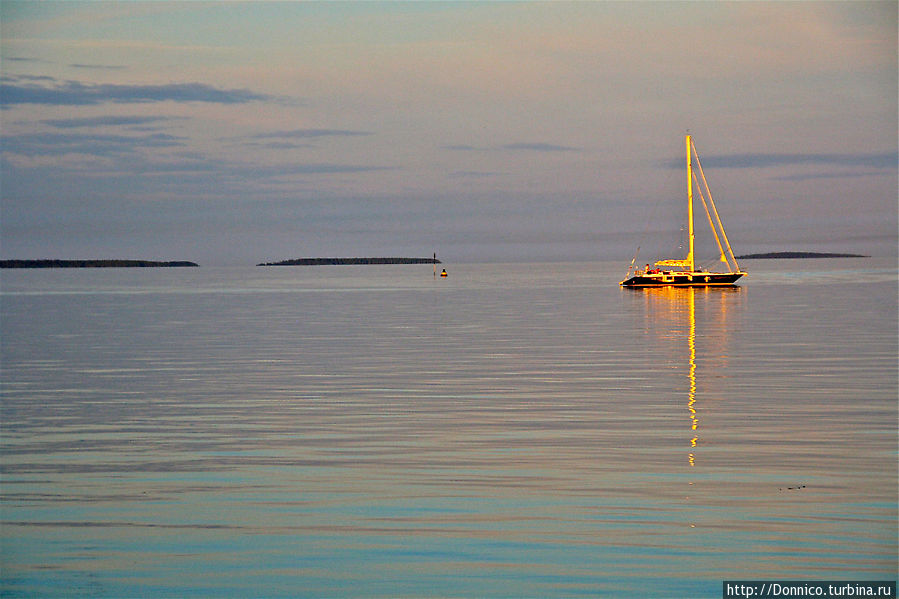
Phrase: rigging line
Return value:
(633, 261)
(715, 210)
(722, 257)
(708, 214)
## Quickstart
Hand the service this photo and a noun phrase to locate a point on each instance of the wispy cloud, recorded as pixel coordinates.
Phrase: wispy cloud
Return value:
(279, 145)
(310, 133)
(102, 121)
(58, 144)
(324, 169)
(540, 147)
(878, 160)
(470, 175)
(21, 59)
(13, 78)
(74, 93)
(531, 147)
(107, 67)
(290, 140)
(829, 175)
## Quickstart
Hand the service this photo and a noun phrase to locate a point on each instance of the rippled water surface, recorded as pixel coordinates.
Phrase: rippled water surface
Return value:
(524, 430)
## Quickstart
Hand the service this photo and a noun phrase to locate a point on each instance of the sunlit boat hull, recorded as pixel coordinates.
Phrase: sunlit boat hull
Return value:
(686, 272)
(682, 279)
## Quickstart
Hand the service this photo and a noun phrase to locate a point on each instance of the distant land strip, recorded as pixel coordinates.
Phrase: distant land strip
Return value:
(788, 255)
(89, 263)
(338, 261)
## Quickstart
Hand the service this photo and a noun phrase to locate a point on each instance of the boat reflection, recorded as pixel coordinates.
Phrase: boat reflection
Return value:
(672, 314)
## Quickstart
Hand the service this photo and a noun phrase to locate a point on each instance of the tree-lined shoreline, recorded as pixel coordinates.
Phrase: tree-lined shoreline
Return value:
(55, 263)
(92, 264)
(795, 255)
(341, 261)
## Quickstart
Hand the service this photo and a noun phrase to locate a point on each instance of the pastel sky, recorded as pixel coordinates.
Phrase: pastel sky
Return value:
(235, 133)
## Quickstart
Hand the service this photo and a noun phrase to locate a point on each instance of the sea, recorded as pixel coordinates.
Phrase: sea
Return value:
(513, 430)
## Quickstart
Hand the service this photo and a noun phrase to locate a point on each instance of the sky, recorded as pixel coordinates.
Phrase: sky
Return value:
(232, 133)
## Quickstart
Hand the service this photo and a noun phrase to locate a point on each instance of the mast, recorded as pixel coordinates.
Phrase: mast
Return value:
(690, 204)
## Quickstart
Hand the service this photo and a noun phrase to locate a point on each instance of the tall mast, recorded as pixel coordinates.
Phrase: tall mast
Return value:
(690, 204)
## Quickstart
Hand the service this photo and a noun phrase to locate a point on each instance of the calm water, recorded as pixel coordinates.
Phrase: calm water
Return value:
(525, 430)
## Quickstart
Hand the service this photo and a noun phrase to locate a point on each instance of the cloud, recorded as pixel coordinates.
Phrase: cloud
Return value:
(470, 174)
(112, 67)
(310, 133)
(58, 144)
(532, 147)
(812, 176)
(22, 59)
(13, 79)
(101, 121)
(74, 93)
(319, 169)
(540, 147)
(879, 160)
(282, 139)
(182, 167)
(280, 145)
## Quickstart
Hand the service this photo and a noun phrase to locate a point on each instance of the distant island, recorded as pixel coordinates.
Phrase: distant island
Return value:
(90, 264)
(339, 261)
(789, 255)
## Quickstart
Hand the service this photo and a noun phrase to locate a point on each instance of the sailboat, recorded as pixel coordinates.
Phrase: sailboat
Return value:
(684, 272)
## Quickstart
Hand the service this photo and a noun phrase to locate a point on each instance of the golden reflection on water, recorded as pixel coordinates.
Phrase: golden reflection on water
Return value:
(691, 396)
(676, 306)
